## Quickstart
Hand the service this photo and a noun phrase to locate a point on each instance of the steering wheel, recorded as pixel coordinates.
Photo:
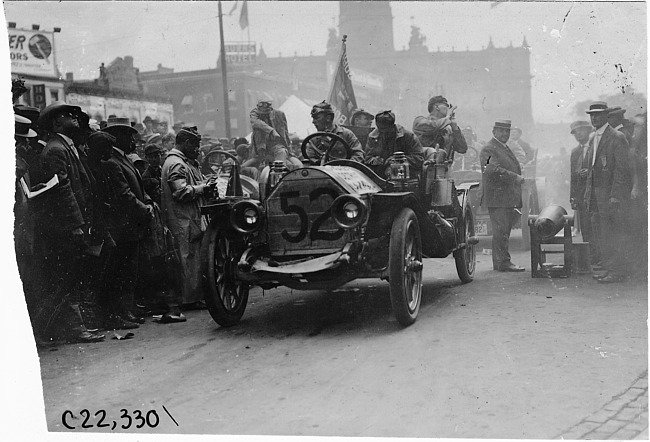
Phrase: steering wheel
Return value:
(327, 140)
(212, 159)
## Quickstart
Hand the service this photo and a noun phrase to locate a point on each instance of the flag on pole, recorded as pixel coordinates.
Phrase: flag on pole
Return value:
(233, 8)
(341, 95)
(243, 17)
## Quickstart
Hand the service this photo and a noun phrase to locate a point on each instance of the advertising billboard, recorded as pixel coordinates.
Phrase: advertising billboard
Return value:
(32, 52)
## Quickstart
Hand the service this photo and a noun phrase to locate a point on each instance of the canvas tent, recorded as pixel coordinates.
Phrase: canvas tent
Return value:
(298, 114)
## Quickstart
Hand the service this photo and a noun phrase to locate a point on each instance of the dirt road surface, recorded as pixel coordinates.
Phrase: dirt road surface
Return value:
(505, 356)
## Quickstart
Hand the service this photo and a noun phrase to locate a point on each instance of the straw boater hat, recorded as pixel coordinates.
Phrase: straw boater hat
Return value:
(22, 127)
(503, 124)
(597, 107)
(579, 124)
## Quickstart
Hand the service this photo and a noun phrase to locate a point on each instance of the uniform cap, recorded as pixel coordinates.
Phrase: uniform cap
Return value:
(322, 107)
(435, 100)
(385, 119)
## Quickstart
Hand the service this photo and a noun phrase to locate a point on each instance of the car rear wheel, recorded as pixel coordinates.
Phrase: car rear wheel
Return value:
(466, 257)
(405, 267)
(225, 297)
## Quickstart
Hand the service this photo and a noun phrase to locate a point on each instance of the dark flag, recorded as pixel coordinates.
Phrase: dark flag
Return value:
(341, 95)
(243, 17)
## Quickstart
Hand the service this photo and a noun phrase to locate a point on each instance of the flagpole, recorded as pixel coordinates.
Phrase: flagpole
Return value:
(338, 61)
(224, 75)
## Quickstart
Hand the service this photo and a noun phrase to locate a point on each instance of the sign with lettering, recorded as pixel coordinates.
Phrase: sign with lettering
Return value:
(241, 52)
(355, 179)
(32, 52)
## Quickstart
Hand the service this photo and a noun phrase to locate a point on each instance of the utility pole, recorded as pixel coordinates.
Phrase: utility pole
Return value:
(224, 75)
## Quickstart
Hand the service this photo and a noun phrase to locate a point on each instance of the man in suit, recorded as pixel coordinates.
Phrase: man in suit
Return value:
(63, 216)
(501, 193)
(131, 218)
(608, 188)
(581, 130)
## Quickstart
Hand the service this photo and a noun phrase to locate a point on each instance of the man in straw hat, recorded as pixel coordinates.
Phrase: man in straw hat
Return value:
(501, 186)
(608, 187)
(579, 164)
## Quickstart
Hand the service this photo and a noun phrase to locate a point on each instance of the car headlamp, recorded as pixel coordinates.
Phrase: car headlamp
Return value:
(349, 211)
(246, 216)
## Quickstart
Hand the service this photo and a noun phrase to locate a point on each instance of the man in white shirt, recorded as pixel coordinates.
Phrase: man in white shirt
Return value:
(608, 187)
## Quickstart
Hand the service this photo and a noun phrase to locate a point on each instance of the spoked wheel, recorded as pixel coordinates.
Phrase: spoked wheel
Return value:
(225, 297)
(405, 267)
(466, 257)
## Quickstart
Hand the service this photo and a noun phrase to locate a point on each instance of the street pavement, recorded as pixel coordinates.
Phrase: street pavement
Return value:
(505, 356)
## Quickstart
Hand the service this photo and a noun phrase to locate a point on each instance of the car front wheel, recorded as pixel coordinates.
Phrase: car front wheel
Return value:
(225, 297)
(405, 267)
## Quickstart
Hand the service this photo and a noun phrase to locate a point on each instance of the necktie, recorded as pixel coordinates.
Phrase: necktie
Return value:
(586, 161)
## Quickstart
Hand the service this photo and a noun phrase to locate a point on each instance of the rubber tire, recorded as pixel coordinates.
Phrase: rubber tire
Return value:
(466, 258)
(214, 241)
(405, 226)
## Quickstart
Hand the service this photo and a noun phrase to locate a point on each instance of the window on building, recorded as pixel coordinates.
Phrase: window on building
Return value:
(210, 126)
(233, 123)
(208, 101)
(54, 94)
(232, 96)
(186, 104)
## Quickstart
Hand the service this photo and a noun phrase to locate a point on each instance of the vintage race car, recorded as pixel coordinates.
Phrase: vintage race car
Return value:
(330, 222)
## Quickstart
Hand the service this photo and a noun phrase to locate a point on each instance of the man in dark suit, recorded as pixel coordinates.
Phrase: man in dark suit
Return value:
(501, 193)
(608, 187)
(579, 169)
(63, 216)
(131, 218)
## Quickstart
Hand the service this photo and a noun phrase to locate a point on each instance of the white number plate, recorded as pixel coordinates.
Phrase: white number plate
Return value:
(480, 228)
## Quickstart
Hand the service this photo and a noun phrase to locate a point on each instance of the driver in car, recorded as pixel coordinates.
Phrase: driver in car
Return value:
(322, 115)
(389, 138)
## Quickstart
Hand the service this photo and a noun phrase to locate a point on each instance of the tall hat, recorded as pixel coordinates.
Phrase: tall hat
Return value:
(503, 124)
(597, 107)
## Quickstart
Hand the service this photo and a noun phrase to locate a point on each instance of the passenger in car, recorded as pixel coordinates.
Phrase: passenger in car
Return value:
(389, 138)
